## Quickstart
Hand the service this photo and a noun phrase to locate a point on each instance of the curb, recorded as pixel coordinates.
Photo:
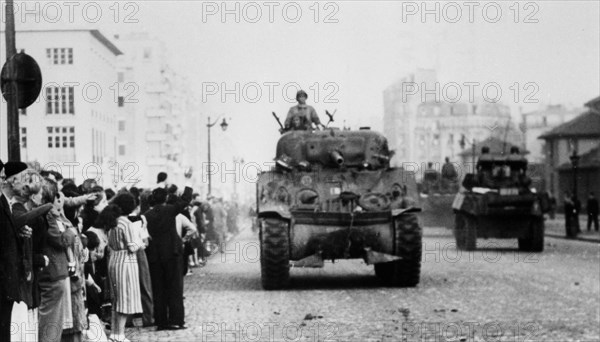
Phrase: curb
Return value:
(556, 236)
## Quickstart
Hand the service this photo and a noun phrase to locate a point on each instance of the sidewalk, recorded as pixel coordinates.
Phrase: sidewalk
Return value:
(556, 228)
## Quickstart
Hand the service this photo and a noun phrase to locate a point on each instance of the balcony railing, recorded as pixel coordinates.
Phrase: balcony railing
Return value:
(156, 112)
(156, 161)
(156, 136)
(157, 88)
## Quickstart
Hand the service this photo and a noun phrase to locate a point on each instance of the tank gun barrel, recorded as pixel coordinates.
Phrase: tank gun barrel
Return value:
(337, 157)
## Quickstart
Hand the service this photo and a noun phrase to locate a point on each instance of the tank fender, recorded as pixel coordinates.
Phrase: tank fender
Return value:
(283, 214)
(398, 212)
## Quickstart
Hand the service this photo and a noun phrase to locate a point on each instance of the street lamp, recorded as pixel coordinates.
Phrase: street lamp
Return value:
(575, 166)
(209, 125)
(235, 162)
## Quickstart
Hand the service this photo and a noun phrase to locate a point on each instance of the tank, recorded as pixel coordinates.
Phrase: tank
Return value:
(333, 195)
(497, 202)
(436, 194)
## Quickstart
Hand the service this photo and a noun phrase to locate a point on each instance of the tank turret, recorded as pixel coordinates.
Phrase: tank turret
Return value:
(363, 149)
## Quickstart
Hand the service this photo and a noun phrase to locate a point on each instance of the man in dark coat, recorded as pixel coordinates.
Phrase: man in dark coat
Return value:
(165, 253)
(592, 211)
(11, 254)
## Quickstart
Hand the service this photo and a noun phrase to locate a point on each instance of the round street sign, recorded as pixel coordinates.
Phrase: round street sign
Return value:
(23, 70)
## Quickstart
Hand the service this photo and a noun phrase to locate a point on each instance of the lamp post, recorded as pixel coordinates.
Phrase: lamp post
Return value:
(235, 180)
(575, 166)
(209, 125)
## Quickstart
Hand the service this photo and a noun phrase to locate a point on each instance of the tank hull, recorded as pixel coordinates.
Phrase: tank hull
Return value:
(332, 195)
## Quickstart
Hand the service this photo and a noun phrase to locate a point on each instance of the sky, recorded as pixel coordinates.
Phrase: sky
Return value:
(345, 53)
(358, 48)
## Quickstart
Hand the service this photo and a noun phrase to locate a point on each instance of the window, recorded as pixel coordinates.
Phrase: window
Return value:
(60, 100)
(58, 56)
(61, 137)
(121, 125)
(121, 101)
(23, 137)
(121, 150)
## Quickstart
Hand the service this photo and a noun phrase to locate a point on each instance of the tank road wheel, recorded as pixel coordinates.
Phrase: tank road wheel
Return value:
(470, 233)
(535, 241)
(459, 230)
(408, 238)
(274, 254)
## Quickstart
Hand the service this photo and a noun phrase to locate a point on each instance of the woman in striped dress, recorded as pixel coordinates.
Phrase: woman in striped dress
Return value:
(122, 266)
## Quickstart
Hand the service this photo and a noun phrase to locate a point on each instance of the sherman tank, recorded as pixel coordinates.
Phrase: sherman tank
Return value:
(497, 202)
(333, 195)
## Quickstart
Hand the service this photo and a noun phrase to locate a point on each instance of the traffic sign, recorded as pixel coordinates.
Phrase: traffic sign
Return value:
(25, 72)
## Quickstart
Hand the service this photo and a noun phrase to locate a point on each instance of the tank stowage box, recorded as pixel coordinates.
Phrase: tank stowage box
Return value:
(333, 195)
(497, 202)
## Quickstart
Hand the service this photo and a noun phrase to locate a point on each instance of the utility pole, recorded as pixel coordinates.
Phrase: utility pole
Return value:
(12, 112)
(209, 167)
(209, 125)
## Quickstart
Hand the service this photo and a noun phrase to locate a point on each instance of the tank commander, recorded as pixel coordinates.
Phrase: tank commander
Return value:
(306, 114)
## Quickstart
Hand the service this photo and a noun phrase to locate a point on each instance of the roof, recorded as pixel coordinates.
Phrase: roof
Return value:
(590, 159)
(497, 148)
(593, 103)
(95, 33)
(109, 45)
(585, 125)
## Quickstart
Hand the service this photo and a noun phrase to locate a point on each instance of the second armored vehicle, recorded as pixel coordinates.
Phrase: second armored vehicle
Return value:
(497, 202)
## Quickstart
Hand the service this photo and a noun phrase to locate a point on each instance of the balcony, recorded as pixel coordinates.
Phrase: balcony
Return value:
(158, 136)
(156, 161)
(156, 113)
(157, 87)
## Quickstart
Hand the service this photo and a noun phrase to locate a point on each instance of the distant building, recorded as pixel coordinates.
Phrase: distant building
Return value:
(158, 118)
(421, 130)
(581, 134)
(73, 125)
(542, 121)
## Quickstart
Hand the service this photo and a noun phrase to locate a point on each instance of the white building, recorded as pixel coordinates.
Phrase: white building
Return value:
(541, 121)
(72, 125)
(158, 118)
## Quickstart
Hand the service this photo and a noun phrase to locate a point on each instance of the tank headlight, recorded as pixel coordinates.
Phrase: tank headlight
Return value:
(284, 161)
(308, 196)
(304, 165)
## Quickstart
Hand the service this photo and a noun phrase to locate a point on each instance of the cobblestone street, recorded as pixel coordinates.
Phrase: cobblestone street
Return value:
(493, 294)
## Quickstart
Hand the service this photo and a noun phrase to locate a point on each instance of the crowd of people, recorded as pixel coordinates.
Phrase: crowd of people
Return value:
(81, 255)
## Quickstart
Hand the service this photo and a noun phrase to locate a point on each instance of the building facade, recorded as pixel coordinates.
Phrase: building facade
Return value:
(158, 118)
(422, 130)
(580, 135)
(542, 121)
(72, 127)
